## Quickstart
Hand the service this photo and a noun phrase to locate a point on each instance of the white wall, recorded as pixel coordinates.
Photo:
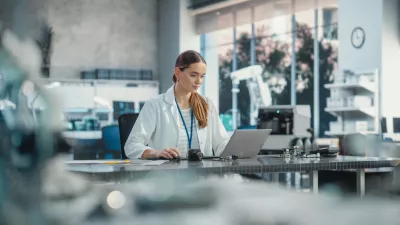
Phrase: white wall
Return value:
(77, 96)
(390, 58)
(102, 33)
(368, 15)
(188, 39)
(137, 94)
(380, 20)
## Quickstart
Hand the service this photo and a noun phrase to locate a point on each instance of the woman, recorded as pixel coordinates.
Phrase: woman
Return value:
(180, 119)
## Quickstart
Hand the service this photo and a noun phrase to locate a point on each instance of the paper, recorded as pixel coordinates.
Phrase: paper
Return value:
(155, 163)
(118, 162)
(106, 162)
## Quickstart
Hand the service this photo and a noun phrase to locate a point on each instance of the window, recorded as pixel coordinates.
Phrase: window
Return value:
(329, 23)
(273, 53)
(328, 62)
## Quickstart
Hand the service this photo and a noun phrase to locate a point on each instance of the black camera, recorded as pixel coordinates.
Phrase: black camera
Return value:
(195, 155)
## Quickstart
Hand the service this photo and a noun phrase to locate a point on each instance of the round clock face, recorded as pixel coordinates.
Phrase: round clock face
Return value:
(358, 37)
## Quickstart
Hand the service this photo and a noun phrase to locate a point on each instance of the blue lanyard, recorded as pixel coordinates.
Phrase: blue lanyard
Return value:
(184, 124)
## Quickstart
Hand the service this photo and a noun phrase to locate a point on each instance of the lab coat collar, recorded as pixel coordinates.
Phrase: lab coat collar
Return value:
(170, 95)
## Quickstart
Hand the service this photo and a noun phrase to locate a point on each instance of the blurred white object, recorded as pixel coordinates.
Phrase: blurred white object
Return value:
(101, 101)
(336, 127)
(356, 98)
(361, 126)
(260, 95)
(52, 85)
(7, 104)
(25, 52)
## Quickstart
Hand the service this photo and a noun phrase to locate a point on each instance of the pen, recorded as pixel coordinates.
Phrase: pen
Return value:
(118, 162)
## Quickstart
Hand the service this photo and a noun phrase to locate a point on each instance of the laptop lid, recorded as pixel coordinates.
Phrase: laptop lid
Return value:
(246, 143)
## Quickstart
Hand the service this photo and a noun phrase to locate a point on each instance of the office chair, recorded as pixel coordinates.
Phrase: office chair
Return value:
(125, 124)
(383, 125)
(111, 140)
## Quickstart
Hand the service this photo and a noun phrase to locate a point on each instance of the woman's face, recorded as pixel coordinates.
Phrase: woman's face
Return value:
(191, 78)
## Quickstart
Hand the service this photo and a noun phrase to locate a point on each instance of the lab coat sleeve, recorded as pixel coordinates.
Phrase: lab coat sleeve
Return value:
(141, 132)
(220, 137)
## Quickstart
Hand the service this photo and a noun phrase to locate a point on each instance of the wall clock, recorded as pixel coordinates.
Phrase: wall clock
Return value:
(358, 37)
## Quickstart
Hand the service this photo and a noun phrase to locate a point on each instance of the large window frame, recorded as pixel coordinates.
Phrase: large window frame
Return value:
(317, 28)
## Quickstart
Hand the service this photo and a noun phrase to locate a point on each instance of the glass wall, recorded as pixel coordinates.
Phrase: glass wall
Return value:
(273, 50)
(243, 59)
(274, 54)
(328, 61)
(223, 43)
(305, 35)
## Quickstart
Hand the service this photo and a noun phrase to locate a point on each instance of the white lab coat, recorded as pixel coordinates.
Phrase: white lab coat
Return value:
(158, 127)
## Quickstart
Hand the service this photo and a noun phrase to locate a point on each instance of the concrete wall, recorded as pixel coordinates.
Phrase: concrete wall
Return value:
(176, 33)
(22, 17)
(168, 40)
(102, 33)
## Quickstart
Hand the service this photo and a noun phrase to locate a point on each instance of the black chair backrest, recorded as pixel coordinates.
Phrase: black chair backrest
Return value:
(384, 125)
(125, 124)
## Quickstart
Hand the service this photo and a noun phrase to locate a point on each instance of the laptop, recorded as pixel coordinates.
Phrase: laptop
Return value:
(246, 143)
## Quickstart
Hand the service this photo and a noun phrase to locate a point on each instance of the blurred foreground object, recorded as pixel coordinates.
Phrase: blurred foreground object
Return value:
(367, 145)
(226, 201)
(26, 143)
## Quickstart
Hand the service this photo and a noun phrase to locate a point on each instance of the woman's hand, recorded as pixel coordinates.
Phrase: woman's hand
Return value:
(168, 153)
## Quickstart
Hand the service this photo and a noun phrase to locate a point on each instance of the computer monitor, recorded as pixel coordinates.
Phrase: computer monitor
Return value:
(121, 107)
(396, 125)
(280, 121)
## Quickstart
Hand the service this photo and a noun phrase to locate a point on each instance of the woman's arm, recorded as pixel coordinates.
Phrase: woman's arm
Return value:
(136, 144)
(220, 137)
(145, 125)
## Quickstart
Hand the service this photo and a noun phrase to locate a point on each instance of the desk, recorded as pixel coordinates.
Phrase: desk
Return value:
(260, 164)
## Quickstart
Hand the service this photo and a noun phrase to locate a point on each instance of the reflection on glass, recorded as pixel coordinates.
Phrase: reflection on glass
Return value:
(305, 35)
(273, 53)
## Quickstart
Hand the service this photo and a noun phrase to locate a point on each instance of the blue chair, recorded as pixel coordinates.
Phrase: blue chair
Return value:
(111, 141)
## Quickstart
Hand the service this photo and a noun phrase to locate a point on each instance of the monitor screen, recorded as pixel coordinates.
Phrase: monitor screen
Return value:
(122, 108)
(396, 125)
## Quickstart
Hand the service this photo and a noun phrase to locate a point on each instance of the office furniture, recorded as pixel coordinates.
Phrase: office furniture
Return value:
(125, 124)
(260, 164)
(355, 101)
(111, 142)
